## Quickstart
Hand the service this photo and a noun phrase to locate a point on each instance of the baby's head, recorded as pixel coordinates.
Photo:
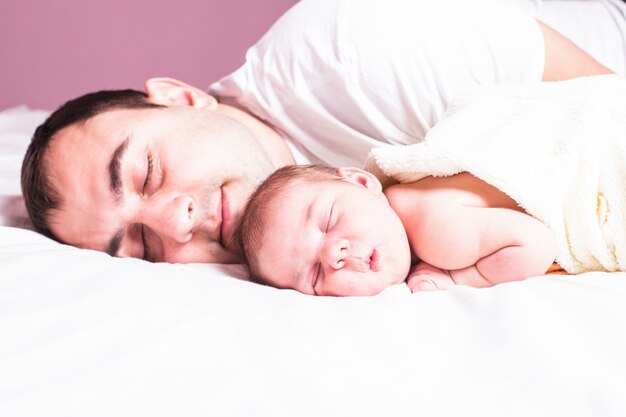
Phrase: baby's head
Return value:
(323, 231)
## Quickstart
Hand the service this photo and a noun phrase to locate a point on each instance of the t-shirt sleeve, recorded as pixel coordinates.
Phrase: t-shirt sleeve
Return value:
(419, 54)
(342, 76)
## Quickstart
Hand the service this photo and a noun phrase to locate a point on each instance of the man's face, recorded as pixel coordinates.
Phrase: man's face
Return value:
(164, 184)
(333, 238)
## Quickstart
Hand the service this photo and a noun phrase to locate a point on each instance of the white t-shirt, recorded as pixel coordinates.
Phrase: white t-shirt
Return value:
(338, 77)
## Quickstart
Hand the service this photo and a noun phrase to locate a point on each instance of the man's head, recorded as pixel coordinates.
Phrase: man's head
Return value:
(323, 231)
(161, 176)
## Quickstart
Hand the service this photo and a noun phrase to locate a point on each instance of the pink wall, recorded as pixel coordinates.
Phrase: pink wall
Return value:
(53, 50)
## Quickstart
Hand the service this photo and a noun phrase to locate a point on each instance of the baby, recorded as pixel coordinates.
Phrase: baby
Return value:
(326, 231)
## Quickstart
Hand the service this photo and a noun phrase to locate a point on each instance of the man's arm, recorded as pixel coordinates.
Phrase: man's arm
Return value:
(565, 60)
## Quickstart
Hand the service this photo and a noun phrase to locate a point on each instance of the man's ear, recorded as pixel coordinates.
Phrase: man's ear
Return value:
(360, 177)
(171, 92)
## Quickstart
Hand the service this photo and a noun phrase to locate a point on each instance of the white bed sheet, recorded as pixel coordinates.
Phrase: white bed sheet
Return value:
(16, 127)
(84, 334)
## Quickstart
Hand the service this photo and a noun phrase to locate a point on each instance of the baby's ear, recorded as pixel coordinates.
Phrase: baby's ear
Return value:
(360, 177)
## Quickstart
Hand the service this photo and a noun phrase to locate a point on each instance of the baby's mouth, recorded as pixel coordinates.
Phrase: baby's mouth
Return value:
(364, 263)
(374, 261)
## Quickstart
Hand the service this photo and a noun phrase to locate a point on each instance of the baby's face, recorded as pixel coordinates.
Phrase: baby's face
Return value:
(334, 238)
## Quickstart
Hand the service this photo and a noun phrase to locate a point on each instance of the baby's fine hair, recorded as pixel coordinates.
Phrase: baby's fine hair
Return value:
(249, 235)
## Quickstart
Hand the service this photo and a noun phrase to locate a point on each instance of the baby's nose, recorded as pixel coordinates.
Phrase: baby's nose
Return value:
(334, 252)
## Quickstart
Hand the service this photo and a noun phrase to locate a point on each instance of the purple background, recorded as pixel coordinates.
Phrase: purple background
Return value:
(54, 50)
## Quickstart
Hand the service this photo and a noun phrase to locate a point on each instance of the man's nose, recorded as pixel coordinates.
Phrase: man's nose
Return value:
(170, 216)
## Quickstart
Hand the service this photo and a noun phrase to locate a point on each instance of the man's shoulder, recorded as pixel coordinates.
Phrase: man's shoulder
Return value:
(293, 56)
(310, 23)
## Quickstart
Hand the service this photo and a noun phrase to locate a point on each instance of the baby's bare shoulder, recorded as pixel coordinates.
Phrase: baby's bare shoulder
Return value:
(439, 192)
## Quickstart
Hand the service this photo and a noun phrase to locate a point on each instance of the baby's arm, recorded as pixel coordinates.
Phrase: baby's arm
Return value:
(454, 229)
(504, 245)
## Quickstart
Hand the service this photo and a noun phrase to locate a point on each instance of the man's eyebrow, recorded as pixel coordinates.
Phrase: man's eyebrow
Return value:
(115, 168)
(114, 244)
(115, 182)
(309, 212)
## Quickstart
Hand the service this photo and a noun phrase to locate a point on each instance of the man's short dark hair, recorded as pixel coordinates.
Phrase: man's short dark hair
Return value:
(40, 197)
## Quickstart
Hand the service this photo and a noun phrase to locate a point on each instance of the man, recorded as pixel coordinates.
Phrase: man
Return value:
(164, 177)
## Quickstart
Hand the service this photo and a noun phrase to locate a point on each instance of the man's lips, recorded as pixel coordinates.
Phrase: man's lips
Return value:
(226, 224)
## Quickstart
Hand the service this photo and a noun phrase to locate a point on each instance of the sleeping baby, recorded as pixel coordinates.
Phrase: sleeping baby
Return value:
(325, 231)
(512, 178)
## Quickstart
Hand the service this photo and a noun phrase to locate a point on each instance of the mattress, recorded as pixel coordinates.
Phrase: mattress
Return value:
(85, 334)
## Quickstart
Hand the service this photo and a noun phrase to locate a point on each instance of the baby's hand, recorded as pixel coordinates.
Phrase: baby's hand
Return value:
(425, 277)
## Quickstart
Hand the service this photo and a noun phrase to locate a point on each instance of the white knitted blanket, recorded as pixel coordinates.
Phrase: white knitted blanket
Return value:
(558, 149)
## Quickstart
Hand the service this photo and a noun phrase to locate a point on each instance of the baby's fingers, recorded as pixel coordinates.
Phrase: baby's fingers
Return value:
(416, 284)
